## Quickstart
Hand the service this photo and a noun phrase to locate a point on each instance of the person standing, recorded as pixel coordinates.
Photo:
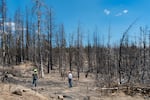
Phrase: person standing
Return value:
(35, 77)
(70, 79)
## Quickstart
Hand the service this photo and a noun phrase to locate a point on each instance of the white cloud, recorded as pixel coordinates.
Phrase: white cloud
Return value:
(125, 11)
(12, 24)
(106, 11)
(24, 29)
(119, 14)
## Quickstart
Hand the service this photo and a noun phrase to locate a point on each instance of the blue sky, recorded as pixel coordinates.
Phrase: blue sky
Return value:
(119, 14)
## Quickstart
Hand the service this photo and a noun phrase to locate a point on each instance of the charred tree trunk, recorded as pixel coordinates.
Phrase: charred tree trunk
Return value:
(70, 52)
(120, 51)
(50, 34)
(2, 24)
(27, 35)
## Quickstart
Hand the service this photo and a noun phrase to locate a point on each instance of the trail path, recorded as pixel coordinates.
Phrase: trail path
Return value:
(52, 86)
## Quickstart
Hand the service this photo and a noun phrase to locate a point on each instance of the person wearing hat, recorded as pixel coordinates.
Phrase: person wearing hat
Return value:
(35, 77)
(70, 79)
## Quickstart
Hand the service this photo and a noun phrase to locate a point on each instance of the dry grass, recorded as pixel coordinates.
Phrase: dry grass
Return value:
(6, 93)
(52, 86)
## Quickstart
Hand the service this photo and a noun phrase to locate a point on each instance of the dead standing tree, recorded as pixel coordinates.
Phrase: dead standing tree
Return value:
(18, 36)
(78, 53)
(120, 51)
(27, 35)
(109, 58)
(149, 57)
(97, 56)
(70, 52)
(62, 52)
(144, 55)
(2, 28)
(9, 42)
(6, 35)
(37, 10)
(89, 57)
(50, 29)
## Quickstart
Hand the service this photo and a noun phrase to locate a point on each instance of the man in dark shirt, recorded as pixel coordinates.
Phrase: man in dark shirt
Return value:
(35, 77)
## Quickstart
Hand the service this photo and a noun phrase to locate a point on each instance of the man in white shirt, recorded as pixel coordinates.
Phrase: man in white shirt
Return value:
(70, 79)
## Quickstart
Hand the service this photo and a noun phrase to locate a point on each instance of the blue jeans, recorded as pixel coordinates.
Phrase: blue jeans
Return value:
(34, 82)
(70, 82)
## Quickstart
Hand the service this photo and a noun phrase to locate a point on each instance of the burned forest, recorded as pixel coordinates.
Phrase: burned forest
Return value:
(33, 38)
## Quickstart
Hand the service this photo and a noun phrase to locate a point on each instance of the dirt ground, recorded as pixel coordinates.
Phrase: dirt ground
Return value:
(52, 86)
